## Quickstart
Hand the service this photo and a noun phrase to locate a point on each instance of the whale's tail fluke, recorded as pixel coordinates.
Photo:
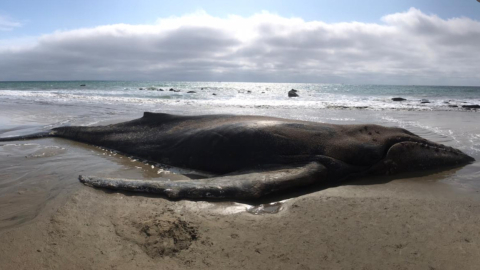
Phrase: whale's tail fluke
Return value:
(33, 136)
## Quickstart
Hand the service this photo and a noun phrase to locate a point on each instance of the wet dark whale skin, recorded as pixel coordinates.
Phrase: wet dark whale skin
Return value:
(257, 155)
(226, 143)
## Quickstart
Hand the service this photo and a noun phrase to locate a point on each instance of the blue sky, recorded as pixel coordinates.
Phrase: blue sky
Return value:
(43, 17)
(431, 42)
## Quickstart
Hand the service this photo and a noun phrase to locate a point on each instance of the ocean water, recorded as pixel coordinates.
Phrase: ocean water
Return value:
(371, 97)
(33, 173)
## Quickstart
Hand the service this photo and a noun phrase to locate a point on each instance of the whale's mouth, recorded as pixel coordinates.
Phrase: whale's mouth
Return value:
(429, 146)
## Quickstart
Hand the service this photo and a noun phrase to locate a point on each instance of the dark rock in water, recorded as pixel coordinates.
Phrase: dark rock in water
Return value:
(83, 85)
(191, 92)
(171, 89)
(249, 92)
(214, 94)
(471, 106)
(140, 88)
(160, 89)
(453, 106)
(201, 88)
(424, 101)
(398, 99)
(292, 93)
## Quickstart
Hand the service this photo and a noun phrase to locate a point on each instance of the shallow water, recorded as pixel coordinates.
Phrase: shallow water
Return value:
(34, 172)
(268, 208)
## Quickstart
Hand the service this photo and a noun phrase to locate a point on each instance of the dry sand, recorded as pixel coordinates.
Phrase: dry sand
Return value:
(402, 224)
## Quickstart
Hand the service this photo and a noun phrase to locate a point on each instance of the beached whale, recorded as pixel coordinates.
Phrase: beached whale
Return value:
(253, 156)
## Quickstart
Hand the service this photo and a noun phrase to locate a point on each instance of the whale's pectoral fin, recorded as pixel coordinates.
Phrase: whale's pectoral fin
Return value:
(251, 185)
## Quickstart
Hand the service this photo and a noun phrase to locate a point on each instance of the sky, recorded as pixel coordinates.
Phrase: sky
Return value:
(433, 42)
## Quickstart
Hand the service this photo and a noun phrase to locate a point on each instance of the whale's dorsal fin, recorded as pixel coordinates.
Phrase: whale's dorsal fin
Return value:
(160, 117)
(156, 115)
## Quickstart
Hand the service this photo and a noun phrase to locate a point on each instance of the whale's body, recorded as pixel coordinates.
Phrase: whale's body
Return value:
(257, 155)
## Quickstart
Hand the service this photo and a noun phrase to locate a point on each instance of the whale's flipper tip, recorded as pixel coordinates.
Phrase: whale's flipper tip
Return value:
(81, 179)
(85, 180)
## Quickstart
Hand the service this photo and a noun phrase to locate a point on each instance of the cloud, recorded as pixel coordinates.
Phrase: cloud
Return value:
(406, 48)
(7, 24)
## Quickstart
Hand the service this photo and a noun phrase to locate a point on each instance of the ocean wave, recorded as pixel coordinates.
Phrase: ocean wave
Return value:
(236, 98)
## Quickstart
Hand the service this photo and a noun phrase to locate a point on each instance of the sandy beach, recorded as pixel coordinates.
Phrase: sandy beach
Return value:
(48, 220)
(396, 225)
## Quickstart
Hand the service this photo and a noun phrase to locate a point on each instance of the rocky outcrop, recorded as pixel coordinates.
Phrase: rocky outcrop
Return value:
(469, 107)
(293, 93)
(398, 99)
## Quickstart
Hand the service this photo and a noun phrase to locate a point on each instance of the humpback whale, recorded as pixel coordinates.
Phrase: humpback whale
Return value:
(253, 156)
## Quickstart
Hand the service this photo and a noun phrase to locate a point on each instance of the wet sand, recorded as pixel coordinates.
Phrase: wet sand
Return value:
(48, 220)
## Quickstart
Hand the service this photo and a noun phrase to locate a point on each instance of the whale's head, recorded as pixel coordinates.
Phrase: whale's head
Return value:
(404, 151)
(381, 150)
